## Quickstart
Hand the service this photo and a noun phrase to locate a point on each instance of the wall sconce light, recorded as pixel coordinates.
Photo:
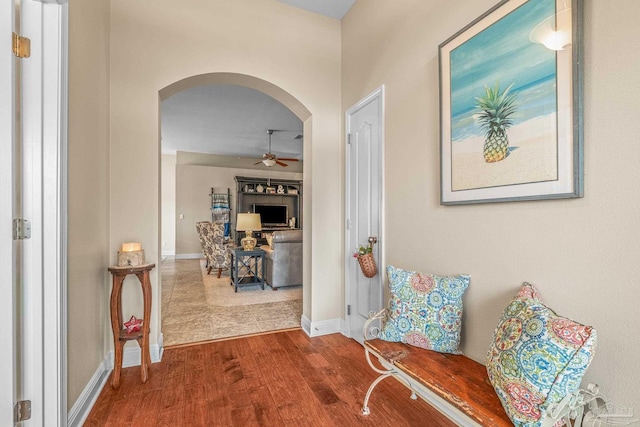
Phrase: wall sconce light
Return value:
(554, 32)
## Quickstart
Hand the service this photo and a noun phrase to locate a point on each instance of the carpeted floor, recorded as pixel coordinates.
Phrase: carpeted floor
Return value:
(199, 307)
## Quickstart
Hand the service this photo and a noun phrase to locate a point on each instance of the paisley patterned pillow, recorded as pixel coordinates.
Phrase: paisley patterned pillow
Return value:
(425, 310)
(536, 357)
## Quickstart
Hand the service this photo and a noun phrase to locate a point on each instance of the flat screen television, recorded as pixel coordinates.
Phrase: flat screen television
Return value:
(272, 215)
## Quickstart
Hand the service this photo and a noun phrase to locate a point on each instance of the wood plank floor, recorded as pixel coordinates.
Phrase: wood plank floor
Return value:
(279, 379)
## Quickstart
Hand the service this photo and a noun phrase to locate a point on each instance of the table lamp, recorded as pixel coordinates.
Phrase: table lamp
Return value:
(248, 222)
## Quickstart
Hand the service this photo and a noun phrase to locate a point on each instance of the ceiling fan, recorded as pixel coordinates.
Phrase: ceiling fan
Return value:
(269, 159)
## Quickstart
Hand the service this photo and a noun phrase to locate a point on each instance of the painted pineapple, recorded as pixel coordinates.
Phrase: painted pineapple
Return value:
(495, 118)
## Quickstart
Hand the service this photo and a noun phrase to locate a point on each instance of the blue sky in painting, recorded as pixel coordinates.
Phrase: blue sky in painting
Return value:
(503, 53)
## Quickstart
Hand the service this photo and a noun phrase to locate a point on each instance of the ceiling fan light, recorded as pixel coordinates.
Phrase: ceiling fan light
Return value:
(269, 162)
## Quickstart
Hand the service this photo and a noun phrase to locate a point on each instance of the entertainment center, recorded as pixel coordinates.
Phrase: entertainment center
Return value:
(278, 201)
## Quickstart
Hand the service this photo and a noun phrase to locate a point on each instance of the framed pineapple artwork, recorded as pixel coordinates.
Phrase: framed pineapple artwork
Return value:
(511, 104)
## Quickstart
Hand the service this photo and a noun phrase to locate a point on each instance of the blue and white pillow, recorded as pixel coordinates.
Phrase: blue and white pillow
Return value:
(425, 310)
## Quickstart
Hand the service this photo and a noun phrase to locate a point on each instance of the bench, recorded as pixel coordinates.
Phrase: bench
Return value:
(454, 384)
(459, 387)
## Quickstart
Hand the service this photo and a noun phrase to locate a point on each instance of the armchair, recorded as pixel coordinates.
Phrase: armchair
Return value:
(214, 246)
(284, 258)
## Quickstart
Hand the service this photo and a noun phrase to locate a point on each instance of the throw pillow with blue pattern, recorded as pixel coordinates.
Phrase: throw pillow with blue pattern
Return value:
(536, 357)
(425, 310)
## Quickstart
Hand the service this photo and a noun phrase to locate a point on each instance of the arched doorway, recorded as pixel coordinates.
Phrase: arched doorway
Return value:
(244, 81)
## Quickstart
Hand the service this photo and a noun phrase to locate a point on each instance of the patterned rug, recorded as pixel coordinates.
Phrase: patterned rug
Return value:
(199, 307)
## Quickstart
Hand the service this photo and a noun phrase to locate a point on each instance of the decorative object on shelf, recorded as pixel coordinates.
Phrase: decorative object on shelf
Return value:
(271, 190)
(292, 222)
(364, 254)
(133, 325)
(248, 222)
(259, 188)
(280, 189)
(131, 254)
(512, 130)
(292, 190)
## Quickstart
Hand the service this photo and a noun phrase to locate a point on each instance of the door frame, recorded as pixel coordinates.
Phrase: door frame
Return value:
(379, 96)
(44, 120)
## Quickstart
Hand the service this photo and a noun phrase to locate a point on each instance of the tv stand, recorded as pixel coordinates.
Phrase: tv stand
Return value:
(269, 191)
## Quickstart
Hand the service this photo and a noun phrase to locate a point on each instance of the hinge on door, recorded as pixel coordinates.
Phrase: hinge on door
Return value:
(21, 46)
(22, 411)
(348, 138)
(349, 310)
(21, 229)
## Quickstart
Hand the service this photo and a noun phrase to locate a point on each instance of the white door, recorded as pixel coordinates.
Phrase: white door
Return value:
(364, 208)
(32, 137)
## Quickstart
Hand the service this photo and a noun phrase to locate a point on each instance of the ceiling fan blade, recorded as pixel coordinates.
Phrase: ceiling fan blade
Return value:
(257, 163)
(287, 160)
(278, 162)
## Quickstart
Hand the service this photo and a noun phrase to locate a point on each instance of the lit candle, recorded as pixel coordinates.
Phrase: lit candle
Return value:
(131, 247)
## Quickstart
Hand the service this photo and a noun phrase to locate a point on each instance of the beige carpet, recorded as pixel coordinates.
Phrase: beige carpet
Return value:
(199, 307)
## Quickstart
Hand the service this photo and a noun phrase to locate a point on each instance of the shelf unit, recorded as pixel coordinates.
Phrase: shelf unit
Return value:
(248, 192)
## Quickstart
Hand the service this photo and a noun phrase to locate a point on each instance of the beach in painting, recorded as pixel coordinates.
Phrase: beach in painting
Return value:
(503, 55)
(532, 157)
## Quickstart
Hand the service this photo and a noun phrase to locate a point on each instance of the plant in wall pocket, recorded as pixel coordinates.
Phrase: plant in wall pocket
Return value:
(364, 255)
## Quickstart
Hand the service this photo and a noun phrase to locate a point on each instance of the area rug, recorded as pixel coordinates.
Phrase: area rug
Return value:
(199, 307)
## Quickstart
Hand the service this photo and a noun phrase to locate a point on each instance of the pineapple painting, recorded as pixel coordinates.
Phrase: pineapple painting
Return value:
(496, 109)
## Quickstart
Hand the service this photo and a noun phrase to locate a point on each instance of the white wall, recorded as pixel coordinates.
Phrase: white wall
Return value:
(582, 254)
(88, 193)
(154, 47)
(168, 200)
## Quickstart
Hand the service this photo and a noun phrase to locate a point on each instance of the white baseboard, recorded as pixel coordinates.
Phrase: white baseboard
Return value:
(189, 256)
(130, 357)
(81, 409)
(168, 253)
(321, 327)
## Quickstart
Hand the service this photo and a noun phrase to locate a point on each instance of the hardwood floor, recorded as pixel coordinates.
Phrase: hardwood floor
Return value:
(278, 379)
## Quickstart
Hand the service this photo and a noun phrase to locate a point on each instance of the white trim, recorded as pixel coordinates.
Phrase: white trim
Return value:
(81, 409)
(7, 260)
(131, 355)
(189, 256)
(321, 327)
(168, 253)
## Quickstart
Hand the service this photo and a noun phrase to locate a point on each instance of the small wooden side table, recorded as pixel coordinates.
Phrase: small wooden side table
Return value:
(252, 261)
(120, 335)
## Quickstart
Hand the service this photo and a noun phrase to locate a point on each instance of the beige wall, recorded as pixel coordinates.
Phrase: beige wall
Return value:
(153, 47)
(88, 192)
(583, 253)
(168, 200)
(193, 186)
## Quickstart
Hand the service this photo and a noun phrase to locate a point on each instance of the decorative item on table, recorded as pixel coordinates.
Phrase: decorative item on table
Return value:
(364, 254)
(280, 189)
(248, 222)
(131, 255)
(133, 325)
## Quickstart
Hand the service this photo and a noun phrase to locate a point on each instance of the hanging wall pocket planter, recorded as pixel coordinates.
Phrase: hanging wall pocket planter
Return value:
(366, 260)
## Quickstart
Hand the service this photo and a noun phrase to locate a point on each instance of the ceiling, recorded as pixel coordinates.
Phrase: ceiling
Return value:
(230, 120)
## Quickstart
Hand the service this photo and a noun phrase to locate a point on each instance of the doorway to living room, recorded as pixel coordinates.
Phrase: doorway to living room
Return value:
(225, 117)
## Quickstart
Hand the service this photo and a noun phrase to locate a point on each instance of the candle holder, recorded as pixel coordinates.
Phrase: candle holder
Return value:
(131, 255)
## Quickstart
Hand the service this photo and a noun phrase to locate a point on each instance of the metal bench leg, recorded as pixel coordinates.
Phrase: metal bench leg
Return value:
(365, 406)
